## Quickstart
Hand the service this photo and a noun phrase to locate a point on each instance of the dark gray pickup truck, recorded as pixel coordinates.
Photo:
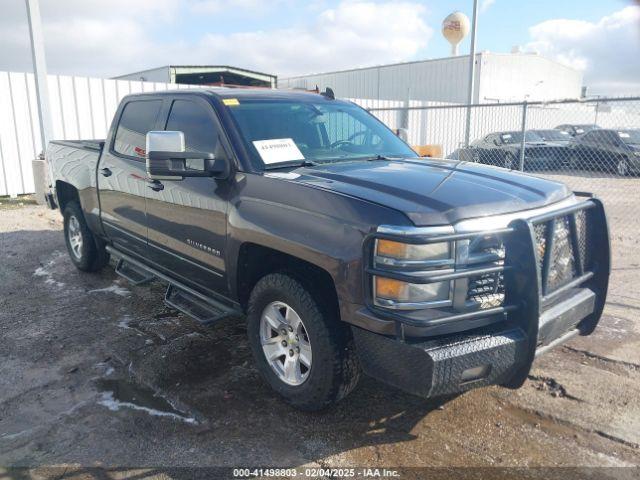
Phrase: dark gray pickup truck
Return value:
(343, 249)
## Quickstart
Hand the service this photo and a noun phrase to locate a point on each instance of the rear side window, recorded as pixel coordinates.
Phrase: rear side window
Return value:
(195, 121)
(138, 118)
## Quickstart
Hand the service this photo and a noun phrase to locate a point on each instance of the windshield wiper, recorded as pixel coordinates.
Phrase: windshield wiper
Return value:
(276, 166)
(378, 157)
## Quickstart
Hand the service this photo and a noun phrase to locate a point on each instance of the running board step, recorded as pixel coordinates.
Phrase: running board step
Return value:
(134, 274)
(200, 308)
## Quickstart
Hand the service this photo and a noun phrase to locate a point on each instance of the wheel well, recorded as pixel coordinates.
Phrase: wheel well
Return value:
(256, 261)
(66, 193)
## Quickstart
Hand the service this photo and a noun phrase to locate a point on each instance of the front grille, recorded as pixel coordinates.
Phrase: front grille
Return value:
(583, 233)
(564, 264)
(487, 290)
(540, 231)
(562, 267)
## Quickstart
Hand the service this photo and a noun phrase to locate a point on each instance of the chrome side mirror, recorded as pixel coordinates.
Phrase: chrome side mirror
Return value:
(161, 141)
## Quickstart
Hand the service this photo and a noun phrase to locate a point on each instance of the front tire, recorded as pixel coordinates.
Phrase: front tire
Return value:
(300, 346)
(509, 161)
(85, 250)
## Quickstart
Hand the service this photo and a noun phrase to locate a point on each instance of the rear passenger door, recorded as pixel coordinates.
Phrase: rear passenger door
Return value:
(122, 174)
(187, 219)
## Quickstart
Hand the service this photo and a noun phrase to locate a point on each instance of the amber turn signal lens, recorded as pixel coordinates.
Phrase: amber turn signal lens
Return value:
(389, 288)
(389, 248)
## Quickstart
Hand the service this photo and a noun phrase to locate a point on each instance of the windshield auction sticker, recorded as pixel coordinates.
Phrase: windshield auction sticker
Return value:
(278, 150)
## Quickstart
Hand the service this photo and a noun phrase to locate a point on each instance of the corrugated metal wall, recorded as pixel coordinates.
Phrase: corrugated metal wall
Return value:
(437, 80)
(499, 77)
(81, 108)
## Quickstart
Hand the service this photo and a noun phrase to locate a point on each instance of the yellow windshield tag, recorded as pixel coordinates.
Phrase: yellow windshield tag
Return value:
(230, 102)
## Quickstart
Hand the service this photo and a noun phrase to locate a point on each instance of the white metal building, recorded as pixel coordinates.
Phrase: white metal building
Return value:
(203, 75)
(500, 77)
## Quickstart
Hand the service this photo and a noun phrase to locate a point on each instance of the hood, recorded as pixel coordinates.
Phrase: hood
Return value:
(434, 192)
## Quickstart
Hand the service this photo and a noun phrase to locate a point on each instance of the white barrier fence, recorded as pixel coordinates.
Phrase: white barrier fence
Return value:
(81, 107)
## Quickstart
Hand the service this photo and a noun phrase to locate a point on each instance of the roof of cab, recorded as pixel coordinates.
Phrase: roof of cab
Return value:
(248, 93)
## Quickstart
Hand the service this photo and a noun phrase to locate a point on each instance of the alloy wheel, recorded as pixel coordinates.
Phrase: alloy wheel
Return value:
(622, 167)
(285, 343)
(75, 237)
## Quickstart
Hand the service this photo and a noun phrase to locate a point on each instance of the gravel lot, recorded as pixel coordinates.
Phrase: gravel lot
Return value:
(94, 372)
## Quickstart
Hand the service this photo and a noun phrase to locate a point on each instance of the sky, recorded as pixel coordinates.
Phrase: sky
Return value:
(105, 38)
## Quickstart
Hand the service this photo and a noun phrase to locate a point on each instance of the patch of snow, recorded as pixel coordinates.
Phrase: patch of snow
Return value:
(124, 323)
(55, 283)
(10, 436)
(115, 288)
(41, 272)
(45, 271)
(107, 400)
(107, 369)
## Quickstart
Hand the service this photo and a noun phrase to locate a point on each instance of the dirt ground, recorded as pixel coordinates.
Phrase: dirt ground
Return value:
(96, 373)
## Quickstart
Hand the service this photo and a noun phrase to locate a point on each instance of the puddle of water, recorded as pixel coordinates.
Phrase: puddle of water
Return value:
(119, 394)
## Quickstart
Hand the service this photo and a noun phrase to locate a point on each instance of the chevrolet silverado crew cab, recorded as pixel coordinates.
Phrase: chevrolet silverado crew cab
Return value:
(343, 249)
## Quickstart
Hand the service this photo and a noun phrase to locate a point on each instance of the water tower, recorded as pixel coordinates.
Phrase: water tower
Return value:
(454, 28)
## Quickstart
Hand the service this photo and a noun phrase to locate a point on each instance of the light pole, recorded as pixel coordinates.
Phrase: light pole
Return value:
(39, 70)
(472, 72)
(42, 173)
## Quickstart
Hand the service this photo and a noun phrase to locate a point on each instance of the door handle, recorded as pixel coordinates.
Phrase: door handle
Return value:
(155, 185)
(106, 172)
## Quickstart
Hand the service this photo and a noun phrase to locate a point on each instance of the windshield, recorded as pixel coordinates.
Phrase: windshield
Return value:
(580, 129)
(516, 137)
(630, 136)
(281, 132)
(553, 135)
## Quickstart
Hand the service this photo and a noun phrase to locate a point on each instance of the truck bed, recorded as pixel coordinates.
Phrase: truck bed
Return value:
(75, 162)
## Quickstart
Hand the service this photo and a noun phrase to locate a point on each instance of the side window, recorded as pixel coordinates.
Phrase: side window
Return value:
(138, 118)
(195, 121)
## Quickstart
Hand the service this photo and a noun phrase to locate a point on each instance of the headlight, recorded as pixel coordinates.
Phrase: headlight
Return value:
(395, 293)
(412, 259)
(389, 252)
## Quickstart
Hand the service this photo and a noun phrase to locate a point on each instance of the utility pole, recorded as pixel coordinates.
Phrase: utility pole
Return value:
(39, 70)
(472, 72)
(42, 173)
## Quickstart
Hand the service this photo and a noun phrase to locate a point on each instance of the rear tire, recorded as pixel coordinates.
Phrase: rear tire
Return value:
(572, 162)
(622, 167)
(327, 368)
(87, 252)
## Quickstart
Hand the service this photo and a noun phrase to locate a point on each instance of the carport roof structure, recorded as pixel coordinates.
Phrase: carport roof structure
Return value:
(204, 75)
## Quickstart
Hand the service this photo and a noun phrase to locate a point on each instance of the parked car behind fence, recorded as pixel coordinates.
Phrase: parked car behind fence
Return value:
(607, 150)
(543, 150)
